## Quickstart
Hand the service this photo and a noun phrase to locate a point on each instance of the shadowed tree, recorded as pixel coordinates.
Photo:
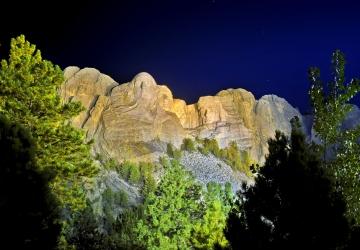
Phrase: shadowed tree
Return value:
(28, 210)
(293, 204)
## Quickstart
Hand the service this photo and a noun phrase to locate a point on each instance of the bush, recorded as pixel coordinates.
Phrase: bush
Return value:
(164, 161)
(188, 145)
(231, 155)
(170, 150)
(134, 174)
(212, 146)
(173, 152)
(177, 154)
(139, 174)
(126, 169)
(149, 183)
(237, 159)
(203, 150)
(111, 164)
(121, 198)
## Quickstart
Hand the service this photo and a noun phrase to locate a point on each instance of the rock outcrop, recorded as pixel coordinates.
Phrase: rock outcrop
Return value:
(137, 119)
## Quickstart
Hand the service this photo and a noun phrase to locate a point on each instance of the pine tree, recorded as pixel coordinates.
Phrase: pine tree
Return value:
(29, 96)
(293, 204)
(171, 211)
(341, 150)
(209, 231)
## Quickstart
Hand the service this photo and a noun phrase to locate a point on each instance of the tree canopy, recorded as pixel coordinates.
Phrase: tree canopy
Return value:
(170, 211)
(209, 231)
(179, 214)
(341, 148)
(29, 96)
(293, 204)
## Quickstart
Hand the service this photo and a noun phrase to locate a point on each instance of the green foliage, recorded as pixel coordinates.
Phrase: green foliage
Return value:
(110, 164)
(331, 108)
(293, 204)
(121, 198)
(232, 155)
(164, 161)
(341, 150)
(111, 201)
(29, 212)
(98, 157)
(149, 184)
(115, 199)
(170, 150)
(173, 152)
(125, 229)
(135, 176)
(212, 146)
(125, 169)
(203, 150)
(87, 234)
(209, 231)
(130, 171)
(29, 96)
(170, 211)
(236, 158)
(180, 215)
(139, 174)
(188, 145)
(177, 154)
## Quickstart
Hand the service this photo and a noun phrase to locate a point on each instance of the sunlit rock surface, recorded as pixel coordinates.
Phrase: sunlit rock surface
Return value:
(136, 120)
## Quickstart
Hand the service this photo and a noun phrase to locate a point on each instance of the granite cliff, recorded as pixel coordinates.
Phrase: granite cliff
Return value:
(136, 120)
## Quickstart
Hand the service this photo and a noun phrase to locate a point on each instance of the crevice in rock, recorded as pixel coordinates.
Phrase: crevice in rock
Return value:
(88, 113)
(109, 90)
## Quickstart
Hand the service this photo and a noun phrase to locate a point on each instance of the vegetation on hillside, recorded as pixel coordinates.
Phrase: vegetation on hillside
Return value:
(118, 233)
(138, 174)
(180, 215)
(173, 152)
(232, 155)
(305, 196)
(237, 159)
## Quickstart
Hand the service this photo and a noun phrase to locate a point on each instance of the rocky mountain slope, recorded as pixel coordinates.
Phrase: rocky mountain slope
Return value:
(208, 168)
(136, 120)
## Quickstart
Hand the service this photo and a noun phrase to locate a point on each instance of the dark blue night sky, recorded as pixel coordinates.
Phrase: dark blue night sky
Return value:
(199, 47)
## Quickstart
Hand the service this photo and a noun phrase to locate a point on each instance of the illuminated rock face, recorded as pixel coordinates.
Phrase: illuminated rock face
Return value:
(136, 120)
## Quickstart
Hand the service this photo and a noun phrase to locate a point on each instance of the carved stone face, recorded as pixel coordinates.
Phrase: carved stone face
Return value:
(132, 118)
